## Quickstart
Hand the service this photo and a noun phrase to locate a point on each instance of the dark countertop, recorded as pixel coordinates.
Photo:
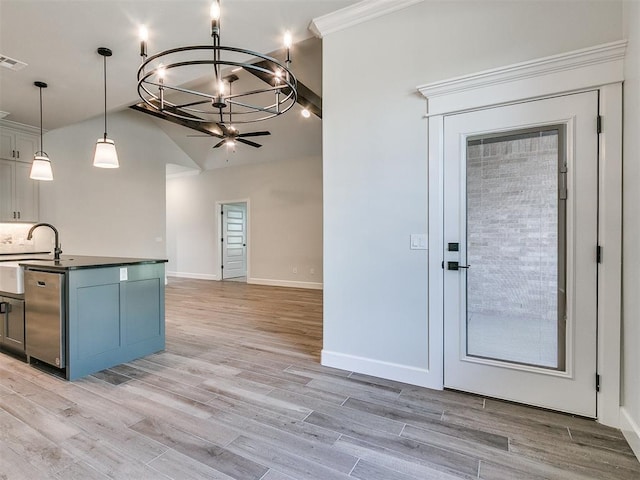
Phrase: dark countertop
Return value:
(75, 262)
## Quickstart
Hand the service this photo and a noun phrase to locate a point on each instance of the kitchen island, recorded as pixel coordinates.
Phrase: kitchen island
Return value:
(85, 314)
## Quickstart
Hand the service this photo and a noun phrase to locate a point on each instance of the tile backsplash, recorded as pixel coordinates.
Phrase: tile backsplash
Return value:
(13, 239)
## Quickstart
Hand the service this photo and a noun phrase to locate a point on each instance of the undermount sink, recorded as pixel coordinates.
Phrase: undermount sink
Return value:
(11, 277)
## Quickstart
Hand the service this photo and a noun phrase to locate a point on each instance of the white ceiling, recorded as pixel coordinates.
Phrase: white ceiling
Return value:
(58, 40)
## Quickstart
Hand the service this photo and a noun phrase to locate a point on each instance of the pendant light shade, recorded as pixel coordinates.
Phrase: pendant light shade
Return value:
(41, 166)
(105, 155)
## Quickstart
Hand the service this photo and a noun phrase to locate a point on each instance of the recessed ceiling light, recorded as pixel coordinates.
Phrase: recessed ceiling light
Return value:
(11, 63)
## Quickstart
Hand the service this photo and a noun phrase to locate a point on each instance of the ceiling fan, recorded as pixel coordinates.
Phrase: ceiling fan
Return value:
(230, 135)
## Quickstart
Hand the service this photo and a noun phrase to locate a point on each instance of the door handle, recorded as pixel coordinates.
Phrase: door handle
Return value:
(455, 266)
(5, 307)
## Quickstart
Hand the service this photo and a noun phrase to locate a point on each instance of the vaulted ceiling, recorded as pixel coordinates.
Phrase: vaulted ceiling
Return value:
(57, 39)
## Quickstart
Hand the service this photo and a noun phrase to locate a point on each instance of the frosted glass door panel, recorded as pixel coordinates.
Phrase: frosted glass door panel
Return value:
(515, 247)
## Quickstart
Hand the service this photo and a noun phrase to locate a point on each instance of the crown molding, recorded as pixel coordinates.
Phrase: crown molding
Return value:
(584, 68)
(355, 14)
(20, 126)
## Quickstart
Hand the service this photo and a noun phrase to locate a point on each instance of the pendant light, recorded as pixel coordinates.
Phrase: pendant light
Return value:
(41, 166)
(105, 156)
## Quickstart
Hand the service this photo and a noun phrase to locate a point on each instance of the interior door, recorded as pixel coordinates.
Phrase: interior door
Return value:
(234, 241)
(520, 238)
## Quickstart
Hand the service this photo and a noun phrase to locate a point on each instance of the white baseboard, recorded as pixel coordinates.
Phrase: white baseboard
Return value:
(285, 283)
(630, 430)
(196, 276)
(378, 368)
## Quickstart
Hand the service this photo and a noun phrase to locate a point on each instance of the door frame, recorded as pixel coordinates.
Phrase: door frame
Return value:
(597, 68)
(218, 211)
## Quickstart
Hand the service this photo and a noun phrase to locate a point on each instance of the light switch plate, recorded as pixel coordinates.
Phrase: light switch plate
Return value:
(418, 241)
(124, 274)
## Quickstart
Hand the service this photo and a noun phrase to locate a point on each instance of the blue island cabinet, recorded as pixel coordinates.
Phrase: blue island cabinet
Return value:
(114, 315)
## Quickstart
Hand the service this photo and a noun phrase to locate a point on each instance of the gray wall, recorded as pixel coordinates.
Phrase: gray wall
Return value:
(631, 221)
(285, 221)
(111, 212)
(375, 157)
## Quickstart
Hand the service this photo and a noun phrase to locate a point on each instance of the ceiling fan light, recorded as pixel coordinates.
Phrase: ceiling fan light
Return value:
(105, 155)
(41, 168)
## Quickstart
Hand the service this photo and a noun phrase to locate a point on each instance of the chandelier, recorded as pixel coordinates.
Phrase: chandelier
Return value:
(162, 85)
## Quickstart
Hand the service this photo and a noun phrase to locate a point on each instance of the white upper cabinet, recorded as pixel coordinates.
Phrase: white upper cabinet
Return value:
(17, 145)
(18, 193)
(26, 193)
(6, 190)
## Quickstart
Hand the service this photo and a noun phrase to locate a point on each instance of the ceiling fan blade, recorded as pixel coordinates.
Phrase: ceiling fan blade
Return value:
(219, 144)
(247, 142)
(254, 134)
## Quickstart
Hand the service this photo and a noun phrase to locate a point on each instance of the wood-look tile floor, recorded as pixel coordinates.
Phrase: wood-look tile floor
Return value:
(239, 394)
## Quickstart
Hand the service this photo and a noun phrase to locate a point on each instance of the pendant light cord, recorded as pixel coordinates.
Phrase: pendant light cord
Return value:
(40, 118)
(105, 97)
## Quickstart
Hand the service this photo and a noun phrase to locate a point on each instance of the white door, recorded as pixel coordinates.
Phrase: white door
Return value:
(520, 225)
(234, 240)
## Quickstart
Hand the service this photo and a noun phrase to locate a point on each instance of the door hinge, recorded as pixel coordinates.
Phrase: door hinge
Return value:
(222, 239)
(562, 188)
(599, 124)
(598, 254)
(597, 382)
(221, 267)
(443, 265)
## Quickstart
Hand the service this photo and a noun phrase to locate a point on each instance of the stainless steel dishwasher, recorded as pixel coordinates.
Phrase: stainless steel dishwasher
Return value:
(45, 317)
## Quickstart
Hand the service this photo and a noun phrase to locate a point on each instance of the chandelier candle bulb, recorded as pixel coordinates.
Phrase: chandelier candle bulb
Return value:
(161, 74)
(215, 18)
(161, 89)
(288, 42)
(144, 36)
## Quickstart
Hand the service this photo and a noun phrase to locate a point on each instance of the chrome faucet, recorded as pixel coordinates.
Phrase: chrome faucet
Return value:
(57, 250)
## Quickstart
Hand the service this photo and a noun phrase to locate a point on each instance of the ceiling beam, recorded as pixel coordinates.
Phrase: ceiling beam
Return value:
(208, 128)
(306, 97)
